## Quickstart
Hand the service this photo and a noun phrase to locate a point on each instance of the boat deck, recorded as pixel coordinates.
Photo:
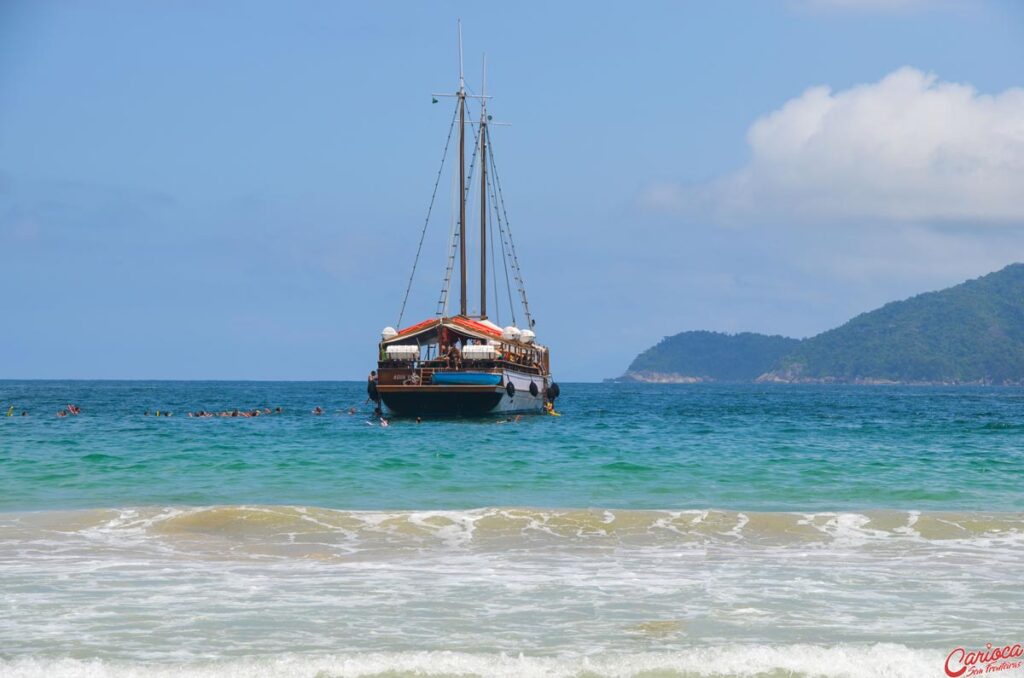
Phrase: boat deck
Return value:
(394, 373)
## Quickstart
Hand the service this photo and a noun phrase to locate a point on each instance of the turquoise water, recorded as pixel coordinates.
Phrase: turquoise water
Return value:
(651, 530)
(759, 448)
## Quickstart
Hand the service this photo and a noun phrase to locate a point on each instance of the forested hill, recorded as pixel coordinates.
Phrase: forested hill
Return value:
(971, 333)
(709, 356)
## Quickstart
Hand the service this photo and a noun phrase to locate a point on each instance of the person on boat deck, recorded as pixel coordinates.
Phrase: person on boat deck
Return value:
(443, 342)
(454, 356)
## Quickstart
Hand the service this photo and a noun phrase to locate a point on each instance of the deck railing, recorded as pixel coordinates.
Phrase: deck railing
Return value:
(422, 372)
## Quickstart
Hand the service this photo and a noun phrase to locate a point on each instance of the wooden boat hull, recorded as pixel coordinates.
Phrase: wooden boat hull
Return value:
(466, 400)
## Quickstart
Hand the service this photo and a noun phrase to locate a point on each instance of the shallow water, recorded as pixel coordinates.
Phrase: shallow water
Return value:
(650, 530)
(753, 448)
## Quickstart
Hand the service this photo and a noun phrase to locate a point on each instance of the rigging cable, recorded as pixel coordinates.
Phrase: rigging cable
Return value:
(453, 233)
(512, 246)
(430, 209)
(442, 302)
(504, 255)
(494, 264)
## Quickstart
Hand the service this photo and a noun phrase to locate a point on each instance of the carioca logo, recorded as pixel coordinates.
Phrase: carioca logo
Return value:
(960, 660)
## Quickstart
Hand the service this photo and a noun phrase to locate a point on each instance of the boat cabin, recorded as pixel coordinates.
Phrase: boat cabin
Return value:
(446, 350)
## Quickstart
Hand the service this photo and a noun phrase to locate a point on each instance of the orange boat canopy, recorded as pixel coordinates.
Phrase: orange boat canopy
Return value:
(429, 331)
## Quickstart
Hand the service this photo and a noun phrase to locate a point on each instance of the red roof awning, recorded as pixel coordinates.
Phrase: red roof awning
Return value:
(476, 326)
(459, 325)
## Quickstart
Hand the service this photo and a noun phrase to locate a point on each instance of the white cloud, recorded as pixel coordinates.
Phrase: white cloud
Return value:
(907, 148)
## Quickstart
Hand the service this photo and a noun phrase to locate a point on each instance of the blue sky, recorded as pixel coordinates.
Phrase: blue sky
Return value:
(234, 190)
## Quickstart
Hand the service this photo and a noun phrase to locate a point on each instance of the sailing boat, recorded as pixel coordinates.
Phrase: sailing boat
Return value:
(463, 364)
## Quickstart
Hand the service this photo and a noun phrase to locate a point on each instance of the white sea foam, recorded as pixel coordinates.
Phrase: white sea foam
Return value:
(462, 528)
(792, 661)
(167, 585)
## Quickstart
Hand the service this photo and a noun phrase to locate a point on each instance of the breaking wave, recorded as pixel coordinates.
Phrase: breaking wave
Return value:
(298, 529)
(763, 661)
(304, 591)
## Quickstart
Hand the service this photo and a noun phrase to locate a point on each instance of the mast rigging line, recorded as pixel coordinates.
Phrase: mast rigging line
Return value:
(512, 246)
(494, 272)
(442, 302)
(504, 255)
(430, 209)
(493, 184)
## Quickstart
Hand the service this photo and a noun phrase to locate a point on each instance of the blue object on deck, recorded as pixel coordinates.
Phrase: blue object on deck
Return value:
(473, 378)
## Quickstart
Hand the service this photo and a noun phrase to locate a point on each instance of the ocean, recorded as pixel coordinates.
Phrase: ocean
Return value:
(651, 530)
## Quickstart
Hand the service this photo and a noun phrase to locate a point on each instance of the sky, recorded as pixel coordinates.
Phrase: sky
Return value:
(236, 190)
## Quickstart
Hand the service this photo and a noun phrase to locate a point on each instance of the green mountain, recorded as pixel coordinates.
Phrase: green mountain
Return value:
(709, 356)
(971, 333)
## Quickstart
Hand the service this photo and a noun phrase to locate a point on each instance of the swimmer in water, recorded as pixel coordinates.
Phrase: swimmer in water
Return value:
(384, 422)
(62, 413)
(318, 410)
(351, 411)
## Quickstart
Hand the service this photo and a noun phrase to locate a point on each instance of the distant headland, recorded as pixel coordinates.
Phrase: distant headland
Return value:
(972, 333)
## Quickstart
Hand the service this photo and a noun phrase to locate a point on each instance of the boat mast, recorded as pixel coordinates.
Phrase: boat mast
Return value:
(483, 194)
(462, 182)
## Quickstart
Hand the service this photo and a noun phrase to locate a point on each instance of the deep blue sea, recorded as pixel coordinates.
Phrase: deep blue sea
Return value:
(655, 530)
